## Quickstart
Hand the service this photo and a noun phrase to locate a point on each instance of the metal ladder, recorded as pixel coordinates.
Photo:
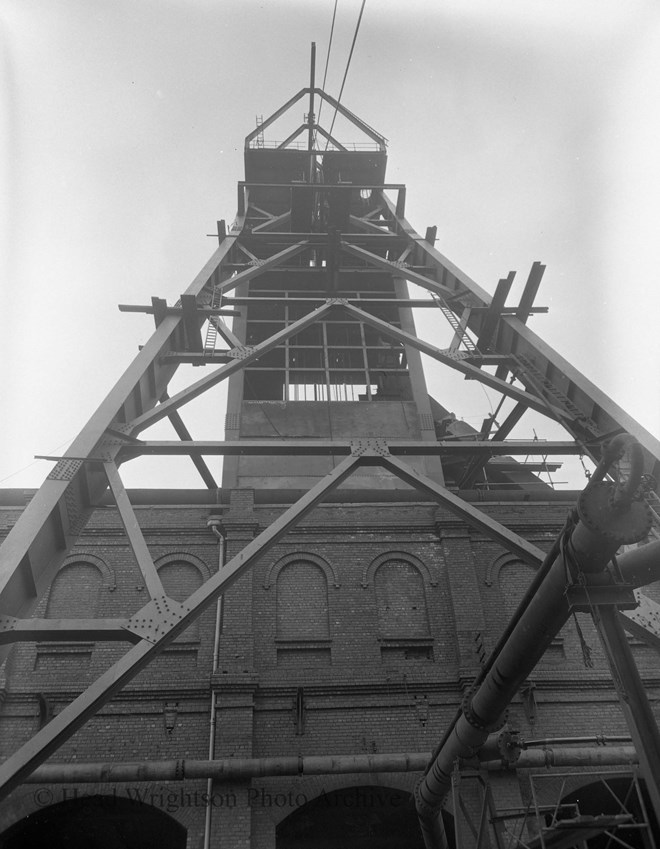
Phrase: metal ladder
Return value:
(524, 367)
(211, 329)
(459, 330)
(259, 139)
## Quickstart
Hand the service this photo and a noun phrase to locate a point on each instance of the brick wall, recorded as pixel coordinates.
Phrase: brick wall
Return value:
(357, 632)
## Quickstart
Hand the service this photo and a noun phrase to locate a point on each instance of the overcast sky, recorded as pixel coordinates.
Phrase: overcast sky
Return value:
(524, 130)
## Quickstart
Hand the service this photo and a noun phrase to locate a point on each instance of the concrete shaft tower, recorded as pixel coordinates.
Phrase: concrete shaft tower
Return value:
(343, 375)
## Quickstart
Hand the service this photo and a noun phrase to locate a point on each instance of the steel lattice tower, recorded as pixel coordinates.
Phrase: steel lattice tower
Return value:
(328, 403)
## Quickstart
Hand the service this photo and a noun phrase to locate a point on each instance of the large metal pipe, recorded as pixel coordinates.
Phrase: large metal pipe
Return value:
(227, 769)
(215, 524)
(585, 756)
(607, 520)
(641, 566)
(242, 769)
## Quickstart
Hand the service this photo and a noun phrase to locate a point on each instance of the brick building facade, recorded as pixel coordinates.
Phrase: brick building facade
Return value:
(357, 634)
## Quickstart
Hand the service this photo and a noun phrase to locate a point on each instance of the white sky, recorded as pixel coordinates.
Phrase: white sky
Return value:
(524, 130)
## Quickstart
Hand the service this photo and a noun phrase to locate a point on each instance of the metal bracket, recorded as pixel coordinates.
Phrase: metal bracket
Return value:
(582, 599)
(123, 432)
(156, 618)
(337, 302)
(369, 448)
(421, 704)
(299, 709)
(240, 352)
(7, 623)
(170, 711)
(644, 622)
(528, 696)
(461, 355)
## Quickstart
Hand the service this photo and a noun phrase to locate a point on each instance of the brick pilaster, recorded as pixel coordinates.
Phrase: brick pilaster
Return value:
(465, 596)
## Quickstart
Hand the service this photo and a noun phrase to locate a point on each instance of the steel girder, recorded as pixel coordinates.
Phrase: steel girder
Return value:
(168, 618)
(338, 447)
(50, 524)
(587, 413)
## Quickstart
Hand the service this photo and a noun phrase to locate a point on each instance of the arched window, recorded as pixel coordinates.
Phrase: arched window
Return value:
(302, 615)
(75, 592)
(514, 577)
(302, 602)
(401, 600)
(180, 579)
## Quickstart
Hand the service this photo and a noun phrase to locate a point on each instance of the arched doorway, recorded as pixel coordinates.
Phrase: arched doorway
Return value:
(364, 817)
(101, 822)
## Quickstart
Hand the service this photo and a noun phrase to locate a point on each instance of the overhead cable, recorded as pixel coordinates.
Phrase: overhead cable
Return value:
(348, 64)
(327, 58)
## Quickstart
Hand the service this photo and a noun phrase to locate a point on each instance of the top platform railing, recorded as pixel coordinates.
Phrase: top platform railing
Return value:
(352, 147)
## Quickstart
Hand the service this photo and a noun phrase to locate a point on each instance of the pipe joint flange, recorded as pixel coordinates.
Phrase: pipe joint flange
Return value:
(423, 808)
(509, 745)
(476, 721)
(621, 527)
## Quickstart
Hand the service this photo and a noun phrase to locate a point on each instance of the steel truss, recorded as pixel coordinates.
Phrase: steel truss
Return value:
(547, 822)
(380, 241)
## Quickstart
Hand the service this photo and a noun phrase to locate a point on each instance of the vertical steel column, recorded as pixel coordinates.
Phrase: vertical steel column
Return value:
(632, 697)
(310, 117)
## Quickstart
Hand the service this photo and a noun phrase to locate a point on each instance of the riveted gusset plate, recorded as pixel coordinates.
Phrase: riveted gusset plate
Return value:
(369, 448)
(65, 470)
(240, 352)
(7, 623)
(156, 618)
(644, 621)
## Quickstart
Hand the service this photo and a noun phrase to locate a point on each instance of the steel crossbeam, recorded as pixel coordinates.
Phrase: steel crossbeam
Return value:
(14, 630)
(133, 532)
(319, 447)
(172, 618)
(470, 371)
(273, 222)
(244, 356)
(50, 523)
(264, 265)
(512, 336)
(472, 515)
(65, 723)
(397, 271)
(184, 434)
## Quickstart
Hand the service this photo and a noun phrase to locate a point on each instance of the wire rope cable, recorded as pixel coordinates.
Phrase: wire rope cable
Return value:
(327, 62)
(348, 65)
